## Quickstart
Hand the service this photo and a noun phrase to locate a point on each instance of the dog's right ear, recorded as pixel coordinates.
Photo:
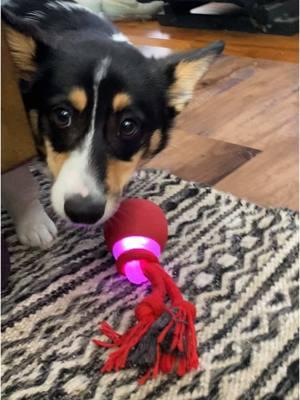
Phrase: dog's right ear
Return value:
(23, 37)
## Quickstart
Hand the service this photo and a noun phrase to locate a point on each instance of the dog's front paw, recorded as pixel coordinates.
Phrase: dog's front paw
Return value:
(36, 229)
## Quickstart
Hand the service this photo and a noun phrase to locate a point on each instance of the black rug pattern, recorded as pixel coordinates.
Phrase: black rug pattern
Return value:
(236, 261)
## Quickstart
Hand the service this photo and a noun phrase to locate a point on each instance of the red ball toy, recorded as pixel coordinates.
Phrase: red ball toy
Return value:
(139, 229)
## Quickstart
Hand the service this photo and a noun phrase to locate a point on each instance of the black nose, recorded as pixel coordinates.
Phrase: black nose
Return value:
(84, 210)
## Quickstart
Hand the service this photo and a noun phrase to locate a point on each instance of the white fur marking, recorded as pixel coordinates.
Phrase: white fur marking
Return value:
(35, 228)
(119, 37)
(75, 176)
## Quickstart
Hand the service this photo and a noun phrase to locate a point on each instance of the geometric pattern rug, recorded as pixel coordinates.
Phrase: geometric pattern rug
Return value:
(237, 262)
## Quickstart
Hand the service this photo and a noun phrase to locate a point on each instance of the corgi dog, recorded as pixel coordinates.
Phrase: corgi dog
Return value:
(98, 108)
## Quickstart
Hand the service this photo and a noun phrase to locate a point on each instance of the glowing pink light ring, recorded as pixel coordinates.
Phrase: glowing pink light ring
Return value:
(133, 243)
(132, 269)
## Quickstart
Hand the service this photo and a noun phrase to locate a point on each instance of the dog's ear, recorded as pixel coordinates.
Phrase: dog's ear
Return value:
(23, 37)
(184, 70)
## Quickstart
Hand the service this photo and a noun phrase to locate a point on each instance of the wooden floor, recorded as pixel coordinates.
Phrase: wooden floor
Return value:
(157, 39)
(240, 132)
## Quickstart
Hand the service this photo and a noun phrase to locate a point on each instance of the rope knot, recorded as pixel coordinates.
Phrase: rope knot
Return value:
(147, 309)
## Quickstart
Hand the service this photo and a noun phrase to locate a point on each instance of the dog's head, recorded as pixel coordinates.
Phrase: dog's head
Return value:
(100, 107)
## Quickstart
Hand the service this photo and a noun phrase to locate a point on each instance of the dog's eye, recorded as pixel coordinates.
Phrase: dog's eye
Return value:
(129, 128)
(62, 117)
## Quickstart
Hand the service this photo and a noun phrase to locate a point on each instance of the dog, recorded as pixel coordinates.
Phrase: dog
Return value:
(98, 108)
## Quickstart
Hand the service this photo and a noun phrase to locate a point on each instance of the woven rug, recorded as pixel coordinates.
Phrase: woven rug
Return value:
(236, 261)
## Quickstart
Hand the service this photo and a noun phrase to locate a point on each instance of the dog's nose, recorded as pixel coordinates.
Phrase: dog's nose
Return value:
(84, 210)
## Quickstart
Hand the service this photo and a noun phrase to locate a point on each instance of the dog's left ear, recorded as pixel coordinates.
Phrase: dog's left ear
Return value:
(184, 70)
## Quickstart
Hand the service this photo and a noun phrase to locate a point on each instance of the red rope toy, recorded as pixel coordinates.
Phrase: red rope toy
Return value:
(164, 337)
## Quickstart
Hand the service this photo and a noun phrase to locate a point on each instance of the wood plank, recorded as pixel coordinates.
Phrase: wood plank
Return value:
(253, 103)
(273, 47)
(270, 179)
(204, 160)
(174, 44)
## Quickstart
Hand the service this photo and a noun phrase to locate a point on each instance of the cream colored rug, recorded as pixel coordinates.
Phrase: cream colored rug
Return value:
(237, 262)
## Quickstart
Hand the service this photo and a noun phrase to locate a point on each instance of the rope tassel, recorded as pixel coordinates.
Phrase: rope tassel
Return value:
(164, 337)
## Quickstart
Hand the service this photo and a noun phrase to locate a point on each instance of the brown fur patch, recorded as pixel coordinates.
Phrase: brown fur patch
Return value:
(187, 74)
(119, 172)
(23, 50)
(154, 142)
(78, 98)
(120, 101)
(55, 160)
(33, 117)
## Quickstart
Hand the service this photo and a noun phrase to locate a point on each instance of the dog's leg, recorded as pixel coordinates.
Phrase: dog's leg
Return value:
(21, 199)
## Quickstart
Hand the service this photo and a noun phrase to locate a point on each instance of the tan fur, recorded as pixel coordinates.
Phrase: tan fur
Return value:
(23, 50)
(154, 142)
(119, 172)
(78, 98)
(120, 101)
(55, 160)
(33, 117)
(187, 75)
